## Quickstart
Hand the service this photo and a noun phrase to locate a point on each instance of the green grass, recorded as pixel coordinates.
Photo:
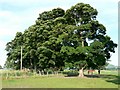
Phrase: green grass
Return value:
(108, 79)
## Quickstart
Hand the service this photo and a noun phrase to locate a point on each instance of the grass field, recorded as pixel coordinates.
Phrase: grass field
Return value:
(108, 79)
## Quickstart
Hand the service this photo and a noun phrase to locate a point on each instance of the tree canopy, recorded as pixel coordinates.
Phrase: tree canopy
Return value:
(59, 37)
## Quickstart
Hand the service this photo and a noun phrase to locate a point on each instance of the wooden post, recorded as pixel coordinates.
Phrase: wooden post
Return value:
(47, 73)
(7, 75)
(21, 59)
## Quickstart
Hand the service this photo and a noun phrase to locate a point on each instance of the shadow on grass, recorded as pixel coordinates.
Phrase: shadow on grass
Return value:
(109, 78)
(92, 76)
(112, 78)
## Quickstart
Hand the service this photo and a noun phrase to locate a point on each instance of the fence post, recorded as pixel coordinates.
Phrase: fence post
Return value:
(16, 74)
(7, 75)
(47, 73)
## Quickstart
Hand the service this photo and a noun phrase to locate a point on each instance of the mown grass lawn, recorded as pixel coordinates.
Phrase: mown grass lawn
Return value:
(107, 80)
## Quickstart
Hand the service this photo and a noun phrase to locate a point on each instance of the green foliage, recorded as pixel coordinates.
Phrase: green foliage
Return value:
(0, 67)
(71, 73)
(60, 37)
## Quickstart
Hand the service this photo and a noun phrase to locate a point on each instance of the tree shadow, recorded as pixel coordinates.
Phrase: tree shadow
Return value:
(109, 78)
(92, 76)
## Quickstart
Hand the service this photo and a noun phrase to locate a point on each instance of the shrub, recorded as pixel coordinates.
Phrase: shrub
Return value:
(73, 73)
(70, 73)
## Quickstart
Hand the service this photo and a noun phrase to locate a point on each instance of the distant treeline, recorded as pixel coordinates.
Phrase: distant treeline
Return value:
(112, 67)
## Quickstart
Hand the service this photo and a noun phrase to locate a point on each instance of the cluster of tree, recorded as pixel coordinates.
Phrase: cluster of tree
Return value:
(0, 67)
(60, 38)
(111, 67)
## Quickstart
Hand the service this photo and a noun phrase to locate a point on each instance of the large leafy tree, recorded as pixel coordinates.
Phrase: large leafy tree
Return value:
(87, 27)
(60, 37)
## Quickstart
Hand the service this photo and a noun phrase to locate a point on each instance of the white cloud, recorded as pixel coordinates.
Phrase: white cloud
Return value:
(2, 44)
(5, 13)
(2, 52)
(114, 58)
(7, 32)
(12, 22)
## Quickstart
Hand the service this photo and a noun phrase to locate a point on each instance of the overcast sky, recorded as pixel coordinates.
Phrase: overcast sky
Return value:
(18, 15)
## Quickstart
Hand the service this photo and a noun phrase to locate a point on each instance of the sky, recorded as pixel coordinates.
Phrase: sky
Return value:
(18, 15)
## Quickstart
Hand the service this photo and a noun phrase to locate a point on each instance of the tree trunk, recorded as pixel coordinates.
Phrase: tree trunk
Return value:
(99, 71)
(31, 65)
(35, 68)
(81, 74)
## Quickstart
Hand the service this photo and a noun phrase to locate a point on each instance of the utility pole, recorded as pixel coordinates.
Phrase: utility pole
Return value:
(21, 59)
(82, 42)
(82, 37)
(81, 33)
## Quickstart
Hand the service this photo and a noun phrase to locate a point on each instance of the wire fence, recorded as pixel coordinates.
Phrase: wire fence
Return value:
(9, 74)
